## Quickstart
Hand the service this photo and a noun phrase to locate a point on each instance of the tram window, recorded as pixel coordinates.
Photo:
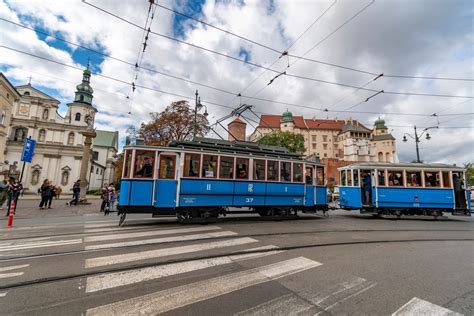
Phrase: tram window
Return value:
(355, 174)
(272, 170)
(446, 179)
(414, 178)
(259, 169)
(209, 166)
(349, 177)
(167, 167)
(297, 172)
(191, 165)
(242, 168)
(381, 177)
(127, 164)
(320, 175)
(226, 170)
(309, 175)
(395, 178)
(343, 178)
(144, 164)
(432, 179)
(285, 171)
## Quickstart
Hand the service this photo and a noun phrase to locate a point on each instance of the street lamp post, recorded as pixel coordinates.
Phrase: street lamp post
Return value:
(417, 139)
(198, 106)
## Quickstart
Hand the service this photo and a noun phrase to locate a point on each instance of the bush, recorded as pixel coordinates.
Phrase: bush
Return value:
(95, 192)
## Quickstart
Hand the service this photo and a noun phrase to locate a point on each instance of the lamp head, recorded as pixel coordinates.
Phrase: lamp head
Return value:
(404, 139)
(428, 137)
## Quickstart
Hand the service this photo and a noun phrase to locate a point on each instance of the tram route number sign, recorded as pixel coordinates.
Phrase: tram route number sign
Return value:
(28, 150)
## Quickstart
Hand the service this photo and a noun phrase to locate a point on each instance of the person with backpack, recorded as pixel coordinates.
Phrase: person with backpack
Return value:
(76, 193)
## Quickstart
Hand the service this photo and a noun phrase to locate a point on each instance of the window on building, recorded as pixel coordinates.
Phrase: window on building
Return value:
(65, 177)
(242, 167)
(70, 138)
(97, 171)
(272, 170)
(42, 135)
(297, 172)
(191, 165)
(313, 145)
(127, 163)
(414, 178)
(258, 169)
(35, 176)
(313, 138)
(432, 179)
(285, 171)
(325, 146)
(45, 114)
(78, 117)
(81, 98)
(95, 155)
(144, 164)
(101, 171)
(381, 177)
(226, 167)
(92, 169)
(395, 178)
(209, 166)
(446, 179)
(325, 138)
(319, 176)
(325, 155)
(167, 167)
(26, 93)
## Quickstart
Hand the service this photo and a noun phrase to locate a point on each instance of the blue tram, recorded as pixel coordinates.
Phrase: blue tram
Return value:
(404, 189)
(202, 179)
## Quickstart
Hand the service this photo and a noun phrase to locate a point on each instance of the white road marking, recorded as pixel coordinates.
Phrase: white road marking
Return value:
(3, 294)
(180, 296)
(150, 233)
(112, 229)
(418, 306)
(162, 240)
(41, 244)
(3, 269)
(345, 286)
(116, 279)
(10, 275)
(142, 255)
(289, 304)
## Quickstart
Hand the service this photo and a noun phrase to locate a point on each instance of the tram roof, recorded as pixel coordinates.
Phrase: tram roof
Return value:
(412, 165)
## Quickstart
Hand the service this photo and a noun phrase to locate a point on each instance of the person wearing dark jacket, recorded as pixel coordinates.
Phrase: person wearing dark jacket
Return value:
(13, 191)
(51, 194)
(76, 193)
(45, 193)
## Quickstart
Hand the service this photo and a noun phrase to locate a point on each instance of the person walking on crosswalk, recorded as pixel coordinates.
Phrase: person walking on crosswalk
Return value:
(76, 193)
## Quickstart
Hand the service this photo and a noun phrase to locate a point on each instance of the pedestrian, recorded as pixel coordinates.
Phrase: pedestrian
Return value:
(76, 193)
(51, 194)
(45, 193)
(105, 197)
(112, 197)
(458, 191)
(58, 192)
(367, 188)
(13, 191)
(3, 192)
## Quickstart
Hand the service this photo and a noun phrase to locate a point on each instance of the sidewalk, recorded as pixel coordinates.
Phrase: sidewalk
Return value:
(62, 197)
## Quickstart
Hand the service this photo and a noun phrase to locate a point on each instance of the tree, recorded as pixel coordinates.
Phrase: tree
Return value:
(469, 173)
(176, 122)
(291, 141)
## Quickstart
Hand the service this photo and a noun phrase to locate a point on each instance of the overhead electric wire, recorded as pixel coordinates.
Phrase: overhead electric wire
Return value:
(263, 67)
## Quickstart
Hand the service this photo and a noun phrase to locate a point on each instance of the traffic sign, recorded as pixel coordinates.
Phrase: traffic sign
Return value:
(28, 150)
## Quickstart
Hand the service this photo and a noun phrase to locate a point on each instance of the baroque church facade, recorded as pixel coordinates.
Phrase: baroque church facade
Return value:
(63, 144)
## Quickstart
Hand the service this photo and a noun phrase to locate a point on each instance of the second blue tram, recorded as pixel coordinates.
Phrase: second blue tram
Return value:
(205, 178)
(404, 189)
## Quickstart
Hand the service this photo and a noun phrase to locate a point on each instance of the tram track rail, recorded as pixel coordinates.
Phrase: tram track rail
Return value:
(49, 280)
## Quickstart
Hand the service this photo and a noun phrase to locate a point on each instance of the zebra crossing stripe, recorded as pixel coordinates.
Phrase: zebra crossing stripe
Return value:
(167, 300)
(289, 304)
(142, 255)
(3, 269)
(40, 244)
(152, 233)
(2, 294)
(10, 275)
(116, 279)
(418, 306)
(162, 240)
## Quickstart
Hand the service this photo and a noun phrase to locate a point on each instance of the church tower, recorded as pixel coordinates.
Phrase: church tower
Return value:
(81, 112)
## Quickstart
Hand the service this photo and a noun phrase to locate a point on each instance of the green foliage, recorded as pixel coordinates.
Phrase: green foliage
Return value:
(470, 173)
(291, 141)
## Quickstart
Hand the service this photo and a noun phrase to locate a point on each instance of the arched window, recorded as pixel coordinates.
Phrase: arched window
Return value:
(387, 157)
(42, 135)
(65, 177)
(20, 134)
(81, 98)
(78, 117)
(380, 157)
(45, 114)
(70, 138)
(35, 177)
(26, 93)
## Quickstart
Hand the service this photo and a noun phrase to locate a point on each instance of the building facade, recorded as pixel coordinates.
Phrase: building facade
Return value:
(104, 158)
(63, 144)
(345, 140)
(8, 97)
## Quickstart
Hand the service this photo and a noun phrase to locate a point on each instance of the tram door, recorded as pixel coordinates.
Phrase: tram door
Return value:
(166, 184)
(366, 185)
(310, 189)
(459, 191)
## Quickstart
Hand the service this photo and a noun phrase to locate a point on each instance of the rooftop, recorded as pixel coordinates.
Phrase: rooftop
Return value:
(106, 139)
(273, 121)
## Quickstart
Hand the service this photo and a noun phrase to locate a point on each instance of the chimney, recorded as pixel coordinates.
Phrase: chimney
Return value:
(237, 130)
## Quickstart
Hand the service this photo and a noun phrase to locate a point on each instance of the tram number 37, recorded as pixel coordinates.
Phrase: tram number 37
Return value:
(248, 200)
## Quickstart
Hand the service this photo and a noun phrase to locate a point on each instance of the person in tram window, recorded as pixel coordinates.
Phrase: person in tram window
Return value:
(457, 190)
(366, 187)
(147, 170)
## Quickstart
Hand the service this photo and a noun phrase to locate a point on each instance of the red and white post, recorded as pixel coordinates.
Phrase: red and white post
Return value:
(10, 213)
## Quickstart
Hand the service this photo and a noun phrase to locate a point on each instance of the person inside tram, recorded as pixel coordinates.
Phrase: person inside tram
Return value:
(366, 187)
(146, 170)
(458, 192)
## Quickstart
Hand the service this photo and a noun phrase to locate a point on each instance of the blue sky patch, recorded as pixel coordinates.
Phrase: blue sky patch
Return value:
(192, 8)
(244, 54)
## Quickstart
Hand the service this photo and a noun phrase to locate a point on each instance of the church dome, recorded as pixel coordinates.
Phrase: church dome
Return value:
(287, 117)
(84, 87)
(380, 122)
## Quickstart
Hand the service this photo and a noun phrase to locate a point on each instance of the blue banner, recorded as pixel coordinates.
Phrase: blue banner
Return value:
(28, 150)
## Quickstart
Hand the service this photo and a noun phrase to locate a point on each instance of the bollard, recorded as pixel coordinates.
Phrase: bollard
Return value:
(10, 214)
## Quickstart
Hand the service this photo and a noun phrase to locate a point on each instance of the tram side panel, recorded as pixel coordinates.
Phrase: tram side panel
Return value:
(321, 196)
(415, 198)
(350, 197)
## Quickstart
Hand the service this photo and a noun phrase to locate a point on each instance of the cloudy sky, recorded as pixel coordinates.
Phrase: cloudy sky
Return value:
(418, 38)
